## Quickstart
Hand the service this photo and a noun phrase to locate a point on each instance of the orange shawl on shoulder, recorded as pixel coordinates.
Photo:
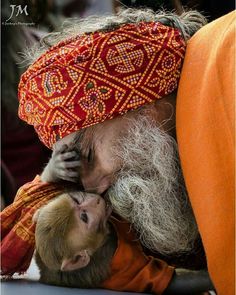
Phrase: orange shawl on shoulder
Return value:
(17, 228)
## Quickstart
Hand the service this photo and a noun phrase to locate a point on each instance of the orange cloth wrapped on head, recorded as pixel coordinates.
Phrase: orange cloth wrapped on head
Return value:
(91, 78)
(131, 269)
(206, 136)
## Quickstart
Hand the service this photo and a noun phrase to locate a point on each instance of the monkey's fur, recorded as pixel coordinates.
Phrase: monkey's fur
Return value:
(90, 276)
(54, 223)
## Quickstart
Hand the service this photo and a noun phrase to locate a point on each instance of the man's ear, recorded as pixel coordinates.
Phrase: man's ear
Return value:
(79, 260)
(35, 216)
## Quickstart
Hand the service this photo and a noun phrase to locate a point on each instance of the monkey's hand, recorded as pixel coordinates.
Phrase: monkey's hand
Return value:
(63, 165)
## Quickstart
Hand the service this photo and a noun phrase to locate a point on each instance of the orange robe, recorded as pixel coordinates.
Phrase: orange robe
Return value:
(131, 269)
(205, 134)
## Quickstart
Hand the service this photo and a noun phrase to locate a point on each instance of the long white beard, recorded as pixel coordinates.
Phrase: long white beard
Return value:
(150, 191)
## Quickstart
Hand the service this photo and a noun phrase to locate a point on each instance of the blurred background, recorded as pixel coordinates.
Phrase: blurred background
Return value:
(22, 154)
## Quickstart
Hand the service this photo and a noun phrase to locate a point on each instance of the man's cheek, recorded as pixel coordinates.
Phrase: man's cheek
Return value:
(96, 179)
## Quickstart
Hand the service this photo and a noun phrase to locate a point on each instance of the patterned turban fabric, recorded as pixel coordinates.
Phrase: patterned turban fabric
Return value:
(17, 227)
(97, 76)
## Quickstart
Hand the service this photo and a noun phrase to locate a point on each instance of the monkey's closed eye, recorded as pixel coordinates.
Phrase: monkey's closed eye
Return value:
(90, 156)
(84, 217)
(76, 201)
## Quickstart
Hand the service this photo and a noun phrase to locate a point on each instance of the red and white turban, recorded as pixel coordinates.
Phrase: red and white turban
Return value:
(97, 76)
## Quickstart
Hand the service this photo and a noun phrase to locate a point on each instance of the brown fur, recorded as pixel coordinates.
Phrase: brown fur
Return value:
(90, 276)
(55, 223)
(53, 230)
(53, 226)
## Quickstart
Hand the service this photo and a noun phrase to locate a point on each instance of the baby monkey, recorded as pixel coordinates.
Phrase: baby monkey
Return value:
(74, 241)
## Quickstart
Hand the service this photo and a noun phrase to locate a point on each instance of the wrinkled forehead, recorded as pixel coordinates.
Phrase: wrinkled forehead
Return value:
(81, 139)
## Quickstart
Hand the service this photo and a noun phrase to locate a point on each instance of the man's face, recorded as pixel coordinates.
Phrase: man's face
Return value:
(95, 152)
(99, 164)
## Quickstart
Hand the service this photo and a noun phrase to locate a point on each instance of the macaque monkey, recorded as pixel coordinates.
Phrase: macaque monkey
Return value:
(74, 241)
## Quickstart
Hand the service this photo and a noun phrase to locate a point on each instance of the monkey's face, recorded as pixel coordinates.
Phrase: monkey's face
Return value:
(91, 215)
(69, 224)
(91, 210)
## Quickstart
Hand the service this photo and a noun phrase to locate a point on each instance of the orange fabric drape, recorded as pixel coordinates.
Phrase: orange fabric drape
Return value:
(205, 133)
(131, 269)
(17, 227)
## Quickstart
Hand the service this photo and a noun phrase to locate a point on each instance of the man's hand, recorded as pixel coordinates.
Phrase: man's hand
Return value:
(63, 165)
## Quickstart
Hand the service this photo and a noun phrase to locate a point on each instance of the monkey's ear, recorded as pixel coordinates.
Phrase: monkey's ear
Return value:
(80, 260)
(35, 216)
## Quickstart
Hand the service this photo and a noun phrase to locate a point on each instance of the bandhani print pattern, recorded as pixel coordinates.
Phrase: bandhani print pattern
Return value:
(94, 77)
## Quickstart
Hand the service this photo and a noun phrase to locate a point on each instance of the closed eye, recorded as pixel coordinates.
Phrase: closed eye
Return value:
(75, 200)
(90, 156)
(84, 217)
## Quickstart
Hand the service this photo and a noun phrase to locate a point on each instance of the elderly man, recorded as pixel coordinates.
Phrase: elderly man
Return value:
(126, 68)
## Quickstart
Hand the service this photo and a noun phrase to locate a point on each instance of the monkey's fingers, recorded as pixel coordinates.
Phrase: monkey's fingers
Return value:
(74, 164)
(66, 165)
(67, 173)
(60, 149)
(71, 179)
(67, 156)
